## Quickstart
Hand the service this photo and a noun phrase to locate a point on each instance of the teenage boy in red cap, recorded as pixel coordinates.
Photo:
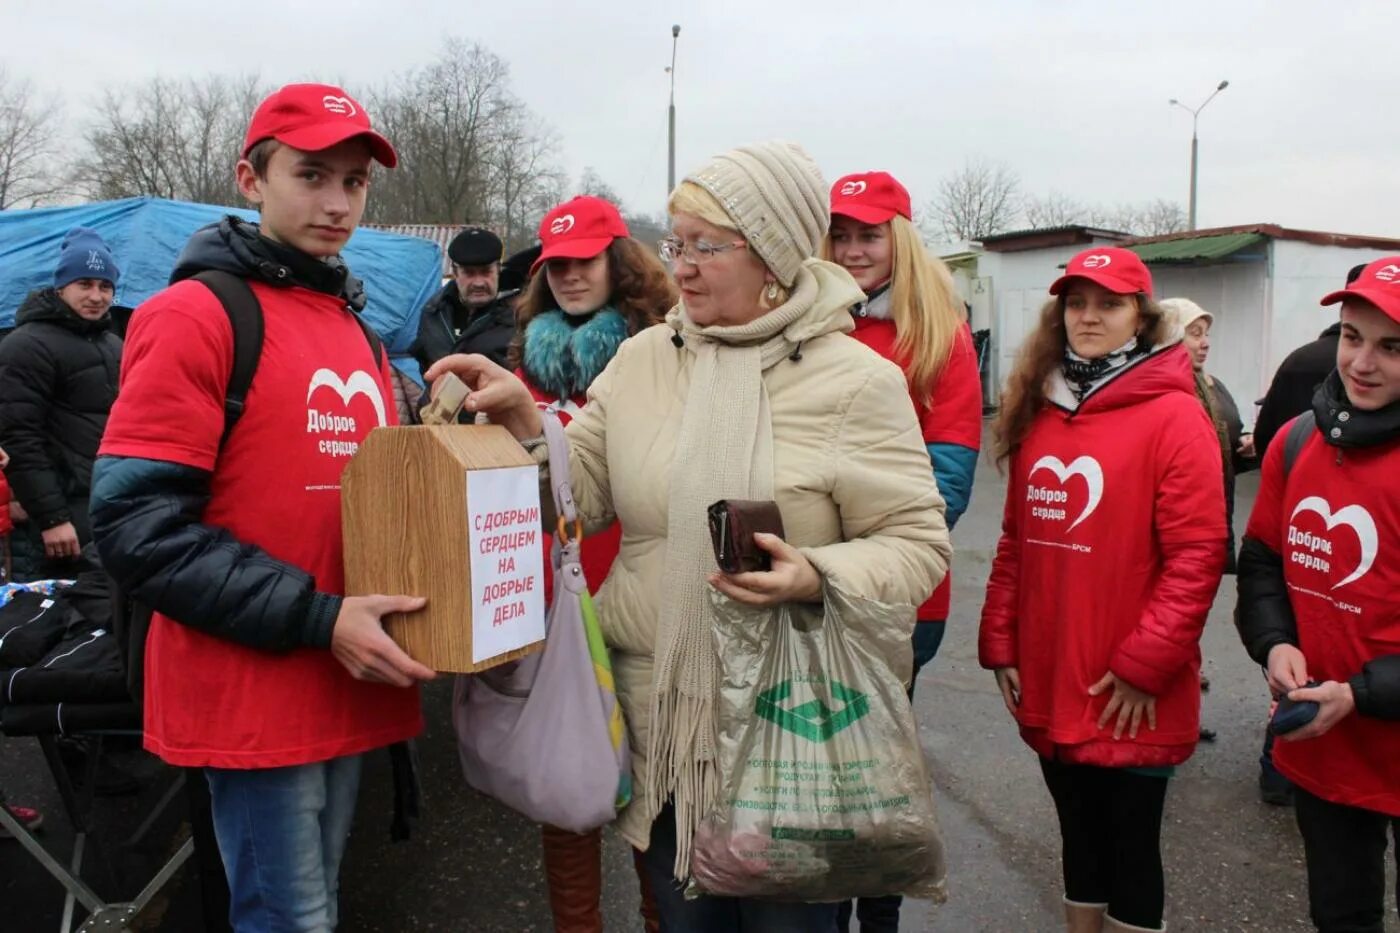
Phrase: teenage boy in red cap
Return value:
(258, 668)
(1317, 578)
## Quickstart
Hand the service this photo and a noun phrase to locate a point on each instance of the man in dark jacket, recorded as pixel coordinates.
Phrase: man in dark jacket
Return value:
(58, 379)
(469, 314)
(1297, 378)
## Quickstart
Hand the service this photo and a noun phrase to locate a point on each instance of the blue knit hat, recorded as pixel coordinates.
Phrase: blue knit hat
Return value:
(85, 255)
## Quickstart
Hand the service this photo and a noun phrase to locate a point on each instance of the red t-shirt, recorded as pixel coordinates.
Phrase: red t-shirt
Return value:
(276, 484)
(1334, 520)
(952, 415)
(598, 551)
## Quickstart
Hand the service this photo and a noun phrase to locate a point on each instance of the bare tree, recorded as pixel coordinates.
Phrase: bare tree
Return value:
(1053, 210)
(169, 139)
(29, 128)
(978, 200)
(1160, 217)
(590, 182)
(525, 179)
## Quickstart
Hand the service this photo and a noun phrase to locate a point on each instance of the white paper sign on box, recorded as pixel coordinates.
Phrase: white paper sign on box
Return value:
(507, 561)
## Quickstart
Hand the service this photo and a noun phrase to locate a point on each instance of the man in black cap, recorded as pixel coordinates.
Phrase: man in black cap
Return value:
(468, 315)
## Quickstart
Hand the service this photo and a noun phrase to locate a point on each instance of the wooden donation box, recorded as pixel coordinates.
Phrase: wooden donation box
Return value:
(451, 513)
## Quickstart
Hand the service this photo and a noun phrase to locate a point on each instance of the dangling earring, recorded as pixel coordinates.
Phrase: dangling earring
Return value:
(771, 292)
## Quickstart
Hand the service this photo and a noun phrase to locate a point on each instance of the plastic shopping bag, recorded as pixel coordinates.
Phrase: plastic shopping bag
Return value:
(825, 793)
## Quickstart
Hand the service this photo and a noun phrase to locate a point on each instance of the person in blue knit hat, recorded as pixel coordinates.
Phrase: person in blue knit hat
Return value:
(58, 379)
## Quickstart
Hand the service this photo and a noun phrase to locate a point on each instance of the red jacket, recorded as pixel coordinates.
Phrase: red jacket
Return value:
(1112, 547)
(952, 428)
(599, 550)
(1334, 522)
(6, 526)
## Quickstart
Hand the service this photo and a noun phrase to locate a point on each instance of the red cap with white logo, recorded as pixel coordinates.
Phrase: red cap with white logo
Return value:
(1119, 270)
(1378, 283)
(312, 117)
(870, 197)
(579, 229)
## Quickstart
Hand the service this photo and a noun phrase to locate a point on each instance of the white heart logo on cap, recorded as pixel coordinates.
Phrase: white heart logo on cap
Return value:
(1096, 261)
(852, 188)
(1388, 273)
(339, 105)
(562, 224)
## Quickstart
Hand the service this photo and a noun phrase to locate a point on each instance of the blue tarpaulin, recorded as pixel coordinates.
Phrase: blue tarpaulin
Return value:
(146, 235)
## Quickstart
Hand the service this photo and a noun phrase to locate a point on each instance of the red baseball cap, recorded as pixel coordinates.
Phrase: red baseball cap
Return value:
(1378, 283)
(579, 229)
(1119, 270)
(312, 117)
(870, 197)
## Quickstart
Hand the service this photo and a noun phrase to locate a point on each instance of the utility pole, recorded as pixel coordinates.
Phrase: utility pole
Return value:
(671, 148)
(1195, 114)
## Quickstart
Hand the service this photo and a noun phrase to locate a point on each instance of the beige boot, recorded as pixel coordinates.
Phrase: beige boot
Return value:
(1084, 918)
(1118, 926)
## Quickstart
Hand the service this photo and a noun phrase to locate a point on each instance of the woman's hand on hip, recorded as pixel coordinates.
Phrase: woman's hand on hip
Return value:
(793, 579)
(495, 390)
(1130, 703)
(1009, 683)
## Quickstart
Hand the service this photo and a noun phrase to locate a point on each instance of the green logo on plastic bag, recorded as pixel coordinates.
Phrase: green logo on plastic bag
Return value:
(814, 721)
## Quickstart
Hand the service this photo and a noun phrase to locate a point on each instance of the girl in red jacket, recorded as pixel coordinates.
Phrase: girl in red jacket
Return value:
(1112, 546)
(598, 287)
(912, 316)
(1317, 582)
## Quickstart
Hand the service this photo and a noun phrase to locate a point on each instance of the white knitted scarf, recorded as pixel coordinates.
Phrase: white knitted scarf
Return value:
(724, 451)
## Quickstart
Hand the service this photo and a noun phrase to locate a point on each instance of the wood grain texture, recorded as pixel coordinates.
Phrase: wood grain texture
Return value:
(404, 515)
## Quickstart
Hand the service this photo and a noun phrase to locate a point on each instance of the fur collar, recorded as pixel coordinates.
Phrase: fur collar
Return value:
(562, 355)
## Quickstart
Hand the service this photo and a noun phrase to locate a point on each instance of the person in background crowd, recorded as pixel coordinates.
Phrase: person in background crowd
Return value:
(1111, 550)
(58, 380)
(469, 314)
(912, 316)
(592, 287)
(1297, 379)
(1317, 606)
(258, 669)
(750, 391)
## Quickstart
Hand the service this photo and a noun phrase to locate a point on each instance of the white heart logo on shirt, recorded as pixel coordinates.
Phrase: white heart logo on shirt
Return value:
(1086, 467)
(1354, 517)
(359, 383)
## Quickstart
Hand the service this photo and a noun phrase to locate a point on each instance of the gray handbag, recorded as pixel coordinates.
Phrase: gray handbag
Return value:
(545, 735)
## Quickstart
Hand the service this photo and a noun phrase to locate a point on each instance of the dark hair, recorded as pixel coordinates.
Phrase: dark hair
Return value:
(640, 287)
(1355, 273)
(260, 156)
(1043, 350)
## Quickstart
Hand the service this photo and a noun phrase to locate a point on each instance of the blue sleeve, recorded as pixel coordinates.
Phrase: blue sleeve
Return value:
(953, 466)
(146, 521)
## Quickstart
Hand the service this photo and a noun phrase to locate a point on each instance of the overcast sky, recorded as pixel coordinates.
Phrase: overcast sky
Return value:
(1072, 95)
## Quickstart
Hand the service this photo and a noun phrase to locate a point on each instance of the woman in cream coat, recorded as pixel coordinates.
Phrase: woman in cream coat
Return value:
(750, 390)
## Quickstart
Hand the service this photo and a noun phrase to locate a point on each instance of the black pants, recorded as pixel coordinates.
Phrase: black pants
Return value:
(1345, 848)
(1111, 833)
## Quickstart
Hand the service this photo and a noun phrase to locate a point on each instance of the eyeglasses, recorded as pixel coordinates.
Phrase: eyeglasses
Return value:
(674, 249)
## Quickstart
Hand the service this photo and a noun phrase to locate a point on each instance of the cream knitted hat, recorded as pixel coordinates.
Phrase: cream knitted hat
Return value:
(777, 198)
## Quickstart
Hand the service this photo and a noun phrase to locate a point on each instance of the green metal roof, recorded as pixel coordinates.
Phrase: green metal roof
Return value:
(1197, 248)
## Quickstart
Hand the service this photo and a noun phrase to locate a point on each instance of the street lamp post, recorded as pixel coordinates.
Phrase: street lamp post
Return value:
(671, 113)
(1195, 114)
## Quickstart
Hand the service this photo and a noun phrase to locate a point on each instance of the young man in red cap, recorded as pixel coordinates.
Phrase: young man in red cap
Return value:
(227, 522)
(1317, 581)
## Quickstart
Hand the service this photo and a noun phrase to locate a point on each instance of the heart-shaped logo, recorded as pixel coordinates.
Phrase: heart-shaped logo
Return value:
(1096, 261)
(359, 383)
(1354, 517)
(562, 224)
(1087, 467)
(343, 106)
(1388, 273)
(852, 188)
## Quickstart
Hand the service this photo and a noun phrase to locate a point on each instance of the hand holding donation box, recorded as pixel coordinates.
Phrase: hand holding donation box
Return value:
(451, 513)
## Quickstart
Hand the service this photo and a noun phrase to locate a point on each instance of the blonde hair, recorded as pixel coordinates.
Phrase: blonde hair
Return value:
(690, 198)
(926, 308)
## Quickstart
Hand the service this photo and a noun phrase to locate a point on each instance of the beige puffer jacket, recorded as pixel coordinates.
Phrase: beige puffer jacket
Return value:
(851, 474)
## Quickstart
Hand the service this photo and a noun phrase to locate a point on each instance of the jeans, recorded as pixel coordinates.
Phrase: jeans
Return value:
(707, 914)
(1110, 832)
(1345, 850)
(282, 833)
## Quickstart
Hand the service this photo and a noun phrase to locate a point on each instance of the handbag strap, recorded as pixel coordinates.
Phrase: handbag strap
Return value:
(559, 466)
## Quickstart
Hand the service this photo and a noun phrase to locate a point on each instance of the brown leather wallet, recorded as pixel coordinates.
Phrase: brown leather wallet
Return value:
(733, 523)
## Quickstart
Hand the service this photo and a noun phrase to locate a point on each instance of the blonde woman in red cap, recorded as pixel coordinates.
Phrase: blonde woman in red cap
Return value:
(1112, 547)
(912, 316)
(1317, 584)
(592, 287)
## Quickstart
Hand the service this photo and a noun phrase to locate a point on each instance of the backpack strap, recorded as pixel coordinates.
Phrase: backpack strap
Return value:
(246, 320)
(1297, 436)
(376, 347)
